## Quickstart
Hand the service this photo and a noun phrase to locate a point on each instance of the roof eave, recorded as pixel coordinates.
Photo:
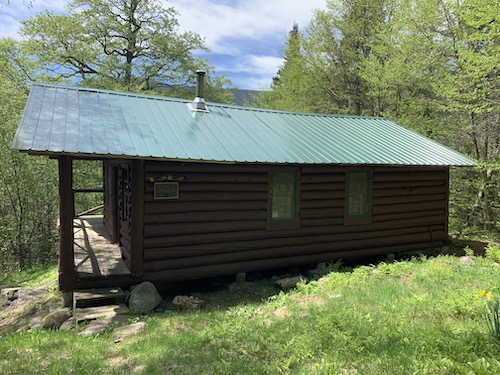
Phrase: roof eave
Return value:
(93, 156)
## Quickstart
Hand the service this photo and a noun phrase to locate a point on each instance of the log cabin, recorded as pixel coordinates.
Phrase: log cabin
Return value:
(194, 190)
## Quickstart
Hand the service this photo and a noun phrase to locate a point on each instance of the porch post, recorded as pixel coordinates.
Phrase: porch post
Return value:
(67, 272)
(137, 230)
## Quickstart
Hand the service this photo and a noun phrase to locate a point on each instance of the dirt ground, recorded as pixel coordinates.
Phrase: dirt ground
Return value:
(24, 307)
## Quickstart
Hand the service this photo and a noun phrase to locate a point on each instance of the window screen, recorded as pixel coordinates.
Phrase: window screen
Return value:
(358, 194)
(283, 196)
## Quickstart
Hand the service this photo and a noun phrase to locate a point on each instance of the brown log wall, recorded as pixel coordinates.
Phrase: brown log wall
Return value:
(219, 223)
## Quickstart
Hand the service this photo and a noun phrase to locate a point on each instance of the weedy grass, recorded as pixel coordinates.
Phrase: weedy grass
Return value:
(51, 352)
(417, 316)
(30, 277)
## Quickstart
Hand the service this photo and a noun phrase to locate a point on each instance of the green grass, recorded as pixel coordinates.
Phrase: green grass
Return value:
(30, 277)
(420, 316)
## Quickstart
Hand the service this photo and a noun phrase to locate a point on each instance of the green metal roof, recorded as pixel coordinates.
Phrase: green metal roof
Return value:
(94, 123)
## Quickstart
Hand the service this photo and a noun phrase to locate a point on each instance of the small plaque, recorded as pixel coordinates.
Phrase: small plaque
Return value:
(166, 190)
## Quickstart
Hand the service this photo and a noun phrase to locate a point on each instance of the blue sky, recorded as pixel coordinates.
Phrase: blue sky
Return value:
(245, 38)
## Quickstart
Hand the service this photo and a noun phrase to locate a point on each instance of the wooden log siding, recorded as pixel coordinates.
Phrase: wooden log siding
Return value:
(219, 223)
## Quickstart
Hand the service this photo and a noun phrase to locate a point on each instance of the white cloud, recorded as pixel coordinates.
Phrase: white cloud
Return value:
(266, 64)
(8, 26)
(245, 37)
(256, 65)
(14, 11)
(250, 71)
(262, 69)
(222, 22)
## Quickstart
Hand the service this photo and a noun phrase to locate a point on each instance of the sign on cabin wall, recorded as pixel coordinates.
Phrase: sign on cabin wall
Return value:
(166, 190)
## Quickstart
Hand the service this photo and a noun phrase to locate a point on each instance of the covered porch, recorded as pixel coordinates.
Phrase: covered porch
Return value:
(97, 261)
(88, 255)
(95, 253)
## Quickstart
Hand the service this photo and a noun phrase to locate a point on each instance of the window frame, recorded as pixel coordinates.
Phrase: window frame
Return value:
(277, 224)
(158, 185)
(359, 219)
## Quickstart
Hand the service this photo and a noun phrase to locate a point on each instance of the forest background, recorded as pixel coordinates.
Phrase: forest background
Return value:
(430, 65)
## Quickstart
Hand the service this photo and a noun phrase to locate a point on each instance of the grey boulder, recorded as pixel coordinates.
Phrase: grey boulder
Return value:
(143, 298)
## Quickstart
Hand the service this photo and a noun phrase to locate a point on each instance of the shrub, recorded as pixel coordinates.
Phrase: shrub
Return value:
(493, 252)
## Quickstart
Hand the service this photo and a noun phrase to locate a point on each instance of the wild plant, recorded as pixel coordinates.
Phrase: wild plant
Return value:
(492, 312)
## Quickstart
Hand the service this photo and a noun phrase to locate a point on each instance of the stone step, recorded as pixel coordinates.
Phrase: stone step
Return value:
(98, 297)
(99, 312)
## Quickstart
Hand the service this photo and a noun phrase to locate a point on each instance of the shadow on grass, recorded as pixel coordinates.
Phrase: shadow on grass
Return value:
(223, 292)
(458, 246)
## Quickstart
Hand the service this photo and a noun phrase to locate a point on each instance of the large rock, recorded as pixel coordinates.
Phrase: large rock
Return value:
(56, 318)
(68, 325)
(143, 298)
(95, 327)
(466, 260)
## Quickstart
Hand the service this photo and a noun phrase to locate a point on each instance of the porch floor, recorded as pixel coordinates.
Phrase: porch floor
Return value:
(95, 254)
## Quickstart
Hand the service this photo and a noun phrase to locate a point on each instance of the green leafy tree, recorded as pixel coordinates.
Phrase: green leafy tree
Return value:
(398, 80)
(291, 88)
(28, 186)
(340, 39)
(473, 89)
(131, 45)
(465, 35)
(324, 66)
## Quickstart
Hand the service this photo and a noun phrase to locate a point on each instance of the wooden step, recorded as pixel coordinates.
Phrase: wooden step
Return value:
(98, 297)
(99, 312)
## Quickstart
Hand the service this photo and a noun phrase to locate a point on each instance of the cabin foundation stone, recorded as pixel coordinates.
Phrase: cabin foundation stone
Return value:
(56, 318)
(144, 298)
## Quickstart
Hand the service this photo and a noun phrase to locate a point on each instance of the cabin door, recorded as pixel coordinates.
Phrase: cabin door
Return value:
(125, 208)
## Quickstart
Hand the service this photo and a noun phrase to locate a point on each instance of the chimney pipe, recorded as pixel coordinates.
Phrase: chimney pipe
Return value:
(199, 102)
(199, 83)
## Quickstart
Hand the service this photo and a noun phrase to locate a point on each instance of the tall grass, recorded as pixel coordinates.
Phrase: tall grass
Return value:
(420, 316)
(36, 275)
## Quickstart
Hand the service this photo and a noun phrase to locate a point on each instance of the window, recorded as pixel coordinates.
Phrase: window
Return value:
(283, 197)
(166, 190)
(358, 187)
